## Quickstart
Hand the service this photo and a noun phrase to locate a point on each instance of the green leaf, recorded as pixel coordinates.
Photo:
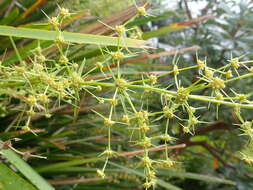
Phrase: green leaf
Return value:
(10, 17)
(200, 177)
(67, 164)
(174, 27)
(144, 20)
(9, 180)
(26, 170)
(71, 37)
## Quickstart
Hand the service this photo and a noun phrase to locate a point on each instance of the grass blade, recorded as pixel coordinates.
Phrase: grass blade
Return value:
(9, 180)
(159, 181)
(71, 37)
(195, 176)
(26, 170)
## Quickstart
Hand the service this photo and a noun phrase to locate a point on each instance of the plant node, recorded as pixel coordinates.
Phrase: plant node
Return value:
(125, 119)
(142, 11)
(118, 55)
(153, 79)
(235, 63)
(64, 13)
(168, 113)
(146, 161)
(120, 29)
(217, 83)
(101, 173)
(108, 122)
(121, 84)
(201, 64)
(182, 95)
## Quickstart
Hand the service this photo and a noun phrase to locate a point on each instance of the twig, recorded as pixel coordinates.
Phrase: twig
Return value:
(116, 19)
(136, 152)
(214, 151)
(187, 10)
(26, 155)
(157, 55)
(220, 125)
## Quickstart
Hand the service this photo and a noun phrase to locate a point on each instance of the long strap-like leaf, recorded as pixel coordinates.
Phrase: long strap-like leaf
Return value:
(71, 37)
(26, 170)
(9, 180)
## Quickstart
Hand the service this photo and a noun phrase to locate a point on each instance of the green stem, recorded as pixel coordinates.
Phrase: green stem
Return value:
(174, 93)
(240, 77)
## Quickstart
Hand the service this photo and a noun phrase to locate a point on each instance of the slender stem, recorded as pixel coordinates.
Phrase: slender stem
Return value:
(174, 93)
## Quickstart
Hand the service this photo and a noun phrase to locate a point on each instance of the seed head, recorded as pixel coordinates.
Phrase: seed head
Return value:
(219, 96)
(101, 100)
(193, 121)
(121, 84)
(31, 100)
(54, 22)
(246, 125)
(217, 83)
(120, 29)
(186, 129)
(48, 115)
(142, 116)
(168, 163)
(108, 122)
(108, 152)
(146, 161)
(41, 58)
(43, 98)
(151, 174)
(26, 128)
(20, 69)
(64, 12)
(146, 142)
(201, 64)
(77, 80)
(167, 137)
(241, 97)
(192, 109)
(99, 88)
(168, 113)
(153, 79)
(60, 39)
(38, 50)
(113, 101)
(229, 74)
(208, 73)
(101, 173)
(248, 159)
(63, 59)
(118, 55)
(38, 67)
(99, 65)
(182, 95)
(125, 119)
(235, 63)
(142, 11)
(149, 184)
(144, 127)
